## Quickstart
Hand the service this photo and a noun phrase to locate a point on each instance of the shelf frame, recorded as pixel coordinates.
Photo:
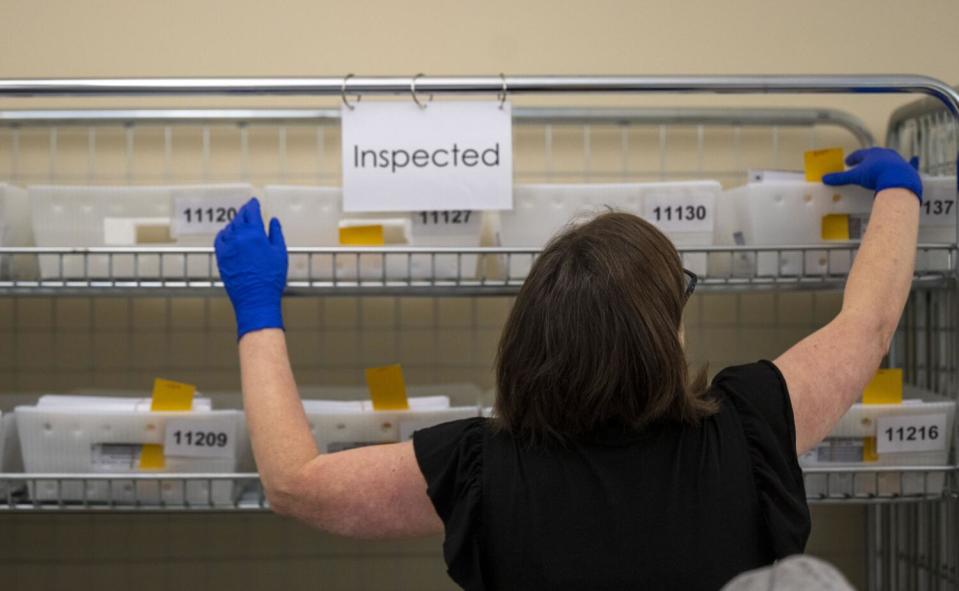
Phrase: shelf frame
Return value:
(249, 496)
(362, 271)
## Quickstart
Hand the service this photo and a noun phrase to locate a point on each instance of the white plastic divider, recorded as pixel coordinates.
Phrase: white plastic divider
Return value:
(15, 230)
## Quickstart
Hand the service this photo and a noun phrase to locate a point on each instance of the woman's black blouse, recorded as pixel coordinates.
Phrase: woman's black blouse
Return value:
(671, 507)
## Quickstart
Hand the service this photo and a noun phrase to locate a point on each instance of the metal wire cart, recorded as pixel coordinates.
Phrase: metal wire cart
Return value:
(912, 518)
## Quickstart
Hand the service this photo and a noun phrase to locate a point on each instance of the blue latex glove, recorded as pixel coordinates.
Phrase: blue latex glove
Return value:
(253, 267)
(877, 169)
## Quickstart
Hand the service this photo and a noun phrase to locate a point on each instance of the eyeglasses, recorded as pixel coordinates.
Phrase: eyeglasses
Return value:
(691, 280)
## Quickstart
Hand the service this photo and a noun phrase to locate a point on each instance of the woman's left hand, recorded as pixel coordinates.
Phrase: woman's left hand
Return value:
(253, 266)
(878, 169)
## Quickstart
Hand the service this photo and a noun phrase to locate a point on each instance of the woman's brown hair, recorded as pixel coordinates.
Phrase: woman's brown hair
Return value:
(593, 338)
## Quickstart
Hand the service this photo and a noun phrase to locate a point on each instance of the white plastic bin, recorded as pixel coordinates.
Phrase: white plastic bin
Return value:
(355, 398)
(312, 216)
(845, 445)
(777, 213)
(87, 216)
(345, 424)
(458, 393)
(686, 211)
(101, 435)
(791, 213)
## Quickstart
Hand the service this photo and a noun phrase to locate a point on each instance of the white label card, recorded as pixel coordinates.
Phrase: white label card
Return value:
(204, 215)
(938, 208)
(938, 211)
(109, 457)
(445, 223)
(197, 438)
(450, 155)
(691, 212)
(911, 433)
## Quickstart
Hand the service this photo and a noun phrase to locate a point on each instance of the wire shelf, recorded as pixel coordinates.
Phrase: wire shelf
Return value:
(878, 484)
(144, 492)
(925, 128)
(432, 271)
(132, 492)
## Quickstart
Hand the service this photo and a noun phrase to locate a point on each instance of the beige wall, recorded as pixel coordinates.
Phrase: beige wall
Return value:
(304, 37)
(243, 37)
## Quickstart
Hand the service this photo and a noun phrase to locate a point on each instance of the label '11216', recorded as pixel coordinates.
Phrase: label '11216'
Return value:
(911, 433)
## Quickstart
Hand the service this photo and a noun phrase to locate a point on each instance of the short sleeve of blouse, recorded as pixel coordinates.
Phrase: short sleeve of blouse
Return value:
(759, 396)
(450, 456)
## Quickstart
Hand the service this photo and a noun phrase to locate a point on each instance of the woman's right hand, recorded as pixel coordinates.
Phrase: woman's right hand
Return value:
(877, 169)
(253, 266)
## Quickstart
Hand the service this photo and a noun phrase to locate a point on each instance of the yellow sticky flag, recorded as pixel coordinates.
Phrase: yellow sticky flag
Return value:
(151, 457)
(835, 226)
(820, 162)
(387, 388)
(885, 388)
(170, 395)
(362, 235)
(869, 453)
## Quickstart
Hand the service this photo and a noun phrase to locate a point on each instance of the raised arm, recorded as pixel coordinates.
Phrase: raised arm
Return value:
(371, 492)
(827, 371)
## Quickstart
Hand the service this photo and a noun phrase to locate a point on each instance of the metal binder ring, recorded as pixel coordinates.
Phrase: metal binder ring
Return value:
(502, 93)
(343, 94)
(413, 92)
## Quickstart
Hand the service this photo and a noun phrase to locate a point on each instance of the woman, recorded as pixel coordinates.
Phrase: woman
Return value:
(605, 467)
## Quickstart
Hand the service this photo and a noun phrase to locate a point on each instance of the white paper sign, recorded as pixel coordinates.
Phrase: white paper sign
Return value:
(911, 433)
(204, 215)
(691, 212)
(447, 156)
(197, 438)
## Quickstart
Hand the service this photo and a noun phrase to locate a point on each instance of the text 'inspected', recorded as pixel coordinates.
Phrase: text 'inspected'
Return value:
(398, 156)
